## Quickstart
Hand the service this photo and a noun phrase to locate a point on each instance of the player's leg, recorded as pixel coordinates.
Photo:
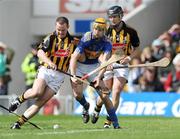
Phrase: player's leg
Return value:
(108, 81)
(119, 81)
(97, 110)
(117, 88)
(35, 91)
(110, 109)
(34, 109)
(77, 89)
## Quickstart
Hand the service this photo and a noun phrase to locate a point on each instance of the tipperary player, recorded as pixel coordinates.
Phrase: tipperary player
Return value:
(85, 59)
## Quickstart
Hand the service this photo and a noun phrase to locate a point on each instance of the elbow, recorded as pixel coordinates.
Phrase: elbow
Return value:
(39, 53)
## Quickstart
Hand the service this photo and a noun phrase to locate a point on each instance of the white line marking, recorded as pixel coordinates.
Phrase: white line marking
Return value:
(58, 132)
(73, 131)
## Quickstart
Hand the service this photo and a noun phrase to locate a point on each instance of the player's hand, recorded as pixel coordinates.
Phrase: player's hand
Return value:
(97, 82)
(110, 67)
(125, 60)
(74, 79)
(53, 66)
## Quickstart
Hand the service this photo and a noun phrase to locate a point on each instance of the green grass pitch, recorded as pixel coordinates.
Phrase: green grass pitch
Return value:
(72, 127)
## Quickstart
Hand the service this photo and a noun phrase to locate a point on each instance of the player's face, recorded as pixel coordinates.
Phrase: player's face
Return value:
(114, 20)
(98, 32)
(61, 29)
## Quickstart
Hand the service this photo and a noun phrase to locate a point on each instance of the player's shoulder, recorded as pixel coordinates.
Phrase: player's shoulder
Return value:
(129, 28)
(87, 36)
(49, 36)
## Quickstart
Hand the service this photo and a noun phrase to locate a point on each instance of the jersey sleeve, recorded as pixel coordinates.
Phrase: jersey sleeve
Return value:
(135, 39)
(45, 44)
(83, 43)
(108, 47)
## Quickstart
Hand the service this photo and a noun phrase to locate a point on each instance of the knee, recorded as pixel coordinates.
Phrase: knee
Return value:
(37, 93)
(104, 96)
(78, 95)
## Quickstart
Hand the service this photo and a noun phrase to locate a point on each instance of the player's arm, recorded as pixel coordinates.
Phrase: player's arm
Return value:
(73, 64)
(42, 55)
(78, 55)
(104, 57)
(42, 49)
(135, 43)
(135, 47)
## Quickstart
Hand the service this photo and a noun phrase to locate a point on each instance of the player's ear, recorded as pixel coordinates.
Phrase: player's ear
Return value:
(68, 26)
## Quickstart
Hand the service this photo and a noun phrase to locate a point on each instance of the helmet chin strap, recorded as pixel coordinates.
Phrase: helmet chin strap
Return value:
(117, 26)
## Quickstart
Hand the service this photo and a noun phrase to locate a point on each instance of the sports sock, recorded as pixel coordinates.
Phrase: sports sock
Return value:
(113, 117)
(108, 118)
(97, 108)
(22, 120)
(21, 98)
(83, 102)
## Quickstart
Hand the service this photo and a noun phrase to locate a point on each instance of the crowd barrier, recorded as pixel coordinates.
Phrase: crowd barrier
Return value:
(141, 104)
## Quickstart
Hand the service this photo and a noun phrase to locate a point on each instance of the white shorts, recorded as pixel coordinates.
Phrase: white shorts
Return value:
(121, 72)
(83, 69)
(53, 79)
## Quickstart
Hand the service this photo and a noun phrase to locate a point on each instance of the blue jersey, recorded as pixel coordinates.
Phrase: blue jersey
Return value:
(92, 48)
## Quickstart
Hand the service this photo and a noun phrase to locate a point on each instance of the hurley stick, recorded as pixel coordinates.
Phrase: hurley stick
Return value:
(164, 62)
(20, 117)
(113, 59)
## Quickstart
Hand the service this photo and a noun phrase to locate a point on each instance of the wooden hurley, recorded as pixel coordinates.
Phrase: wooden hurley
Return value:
(164, 62)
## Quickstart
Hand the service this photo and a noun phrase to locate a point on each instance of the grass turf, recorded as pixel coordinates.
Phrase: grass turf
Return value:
(71, 127)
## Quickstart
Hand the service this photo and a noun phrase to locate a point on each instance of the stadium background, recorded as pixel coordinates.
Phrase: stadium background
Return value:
(23, 22)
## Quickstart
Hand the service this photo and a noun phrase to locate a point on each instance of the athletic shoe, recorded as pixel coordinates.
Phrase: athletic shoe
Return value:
(85, 113)
(107, 124)
(95, 117)
(14, 105)
(117, 127)
(16, 125)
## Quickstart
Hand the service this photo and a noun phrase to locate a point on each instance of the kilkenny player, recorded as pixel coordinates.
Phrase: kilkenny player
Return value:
(125, 41)
(54, 52)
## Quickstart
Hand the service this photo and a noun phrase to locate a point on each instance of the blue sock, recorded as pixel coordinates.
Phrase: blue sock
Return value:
(82, 101)
(113, 117)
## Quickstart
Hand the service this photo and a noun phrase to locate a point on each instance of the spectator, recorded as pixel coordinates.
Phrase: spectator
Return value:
(158, 48)
(134, 73)
(172, 83)
(175, 33)
(148, 81)
(6, 56)
(147, 55)
(166, 39)
(163, 72)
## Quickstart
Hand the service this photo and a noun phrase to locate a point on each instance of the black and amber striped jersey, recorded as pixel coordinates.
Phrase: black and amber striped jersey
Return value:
(59, 50)
(125, 39)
